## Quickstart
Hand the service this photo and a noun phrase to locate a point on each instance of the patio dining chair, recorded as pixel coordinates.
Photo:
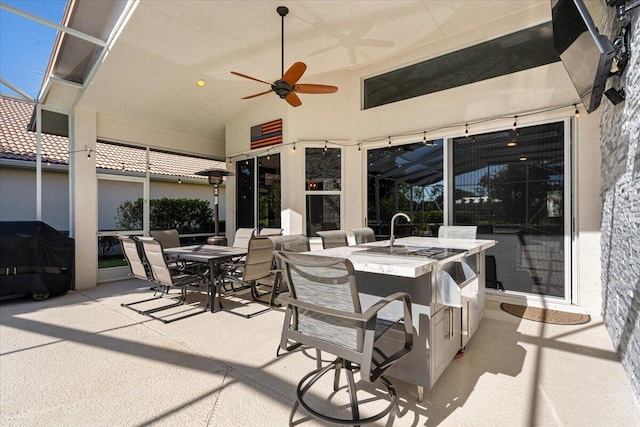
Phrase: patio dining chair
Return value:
(171, 239)
(363, 235)
(290, 243)
(241, 240)
(168, 238)
(248, 275)
(458, 231)
(333, 238)
(242, 237)
(131, 252)
(324, 312)
(270, 231)
(138, 266)
(166, 278)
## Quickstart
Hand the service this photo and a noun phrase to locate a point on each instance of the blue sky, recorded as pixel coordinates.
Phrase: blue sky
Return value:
(25, 46)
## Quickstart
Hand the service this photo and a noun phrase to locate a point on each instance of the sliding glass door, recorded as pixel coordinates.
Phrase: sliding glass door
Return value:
(258, 192)
(513, 184)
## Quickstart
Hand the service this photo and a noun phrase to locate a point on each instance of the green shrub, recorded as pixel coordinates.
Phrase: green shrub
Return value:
(185, 215)
(434, 216)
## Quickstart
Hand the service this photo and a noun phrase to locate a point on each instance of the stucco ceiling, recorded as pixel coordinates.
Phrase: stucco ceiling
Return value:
(149, 75)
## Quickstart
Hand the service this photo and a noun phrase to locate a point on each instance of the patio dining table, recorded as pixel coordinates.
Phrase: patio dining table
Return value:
(211, 255)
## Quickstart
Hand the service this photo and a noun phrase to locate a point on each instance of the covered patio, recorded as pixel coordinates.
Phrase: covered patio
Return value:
(81, 358)
(155, 76)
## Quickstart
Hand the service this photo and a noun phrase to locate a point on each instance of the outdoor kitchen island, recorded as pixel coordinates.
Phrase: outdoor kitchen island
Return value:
(446, 281)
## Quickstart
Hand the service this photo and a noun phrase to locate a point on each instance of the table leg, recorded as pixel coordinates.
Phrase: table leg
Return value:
(212, 285)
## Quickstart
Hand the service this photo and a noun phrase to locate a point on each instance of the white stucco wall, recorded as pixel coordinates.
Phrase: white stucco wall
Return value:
(114, 129)
(588, 211)
(339, 116)
(18, 196)
(535, 89)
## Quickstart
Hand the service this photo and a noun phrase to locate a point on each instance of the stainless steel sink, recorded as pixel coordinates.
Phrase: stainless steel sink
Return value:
(411, 251)
(387, 250)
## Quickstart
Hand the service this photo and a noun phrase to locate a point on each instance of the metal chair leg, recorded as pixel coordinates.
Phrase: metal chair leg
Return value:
(336, 378)
(312, 377)
(353, 397)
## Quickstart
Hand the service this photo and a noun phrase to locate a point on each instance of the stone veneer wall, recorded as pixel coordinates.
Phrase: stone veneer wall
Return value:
(620, 238)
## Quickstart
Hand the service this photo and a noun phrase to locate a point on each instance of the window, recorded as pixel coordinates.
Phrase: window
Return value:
(529, 48)
(323, 185)
(120, 212)
(406, 178)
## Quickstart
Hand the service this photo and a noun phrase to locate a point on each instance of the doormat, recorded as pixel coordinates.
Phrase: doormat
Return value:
(546, 315)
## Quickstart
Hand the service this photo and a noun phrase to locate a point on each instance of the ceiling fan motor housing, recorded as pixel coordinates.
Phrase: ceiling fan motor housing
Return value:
(282, 88)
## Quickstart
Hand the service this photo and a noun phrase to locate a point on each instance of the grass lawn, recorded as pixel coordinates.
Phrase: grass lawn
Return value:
(106, 263)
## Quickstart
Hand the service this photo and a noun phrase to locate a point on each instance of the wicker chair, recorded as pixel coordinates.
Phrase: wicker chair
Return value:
(333, 238)
(324, 312)
(363, 235)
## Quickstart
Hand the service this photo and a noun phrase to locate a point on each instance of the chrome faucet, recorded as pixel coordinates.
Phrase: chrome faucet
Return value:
(393, 220)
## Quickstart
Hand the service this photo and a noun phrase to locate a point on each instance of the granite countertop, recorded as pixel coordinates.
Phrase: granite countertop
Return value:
(405, 266)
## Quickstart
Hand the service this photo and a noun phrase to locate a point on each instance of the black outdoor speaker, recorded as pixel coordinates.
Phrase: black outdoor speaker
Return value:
(614, 95)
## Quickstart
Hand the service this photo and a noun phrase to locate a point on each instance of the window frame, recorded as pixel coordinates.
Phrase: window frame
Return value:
(256, 182)
(307, 192)
(569, 202)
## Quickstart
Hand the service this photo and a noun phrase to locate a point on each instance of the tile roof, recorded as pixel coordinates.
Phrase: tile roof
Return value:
(17, 143)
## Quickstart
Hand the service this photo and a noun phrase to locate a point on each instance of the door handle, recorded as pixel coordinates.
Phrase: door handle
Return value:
(451, 333)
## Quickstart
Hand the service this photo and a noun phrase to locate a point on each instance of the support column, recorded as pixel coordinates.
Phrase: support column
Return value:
(293, 197)
(38, 162)
(83, 196)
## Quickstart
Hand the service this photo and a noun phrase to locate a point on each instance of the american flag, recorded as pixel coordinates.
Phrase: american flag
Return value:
(266, 134)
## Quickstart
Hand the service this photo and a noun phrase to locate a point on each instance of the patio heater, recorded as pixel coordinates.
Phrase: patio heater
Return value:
(215, 177)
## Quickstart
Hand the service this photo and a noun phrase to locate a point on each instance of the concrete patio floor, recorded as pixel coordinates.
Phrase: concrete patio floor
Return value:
(83, 360)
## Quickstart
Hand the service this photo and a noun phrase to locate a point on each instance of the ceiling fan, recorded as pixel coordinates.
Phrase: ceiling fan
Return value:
(288, 87)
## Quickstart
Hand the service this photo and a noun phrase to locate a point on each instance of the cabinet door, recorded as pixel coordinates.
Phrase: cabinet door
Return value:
(445, 339)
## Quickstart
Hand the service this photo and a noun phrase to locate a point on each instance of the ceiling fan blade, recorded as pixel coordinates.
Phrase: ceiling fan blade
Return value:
(311, 88)
(293, 100)
(258, 94)
(249, 77)
(294, 73)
